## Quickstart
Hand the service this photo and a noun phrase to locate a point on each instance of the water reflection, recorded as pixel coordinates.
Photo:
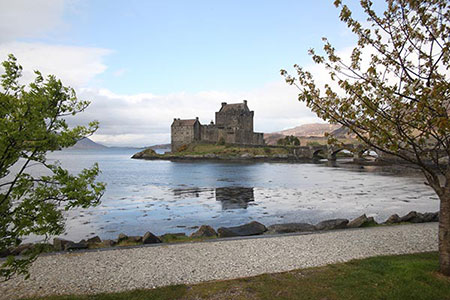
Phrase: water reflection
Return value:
(232, 197)
(190, 192)
(235, 197)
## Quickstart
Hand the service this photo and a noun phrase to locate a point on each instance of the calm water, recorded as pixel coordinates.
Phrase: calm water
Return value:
(163, 196)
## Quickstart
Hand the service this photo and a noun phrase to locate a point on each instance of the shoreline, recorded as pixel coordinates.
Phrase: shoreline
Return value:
(206, 232)
(149, 267)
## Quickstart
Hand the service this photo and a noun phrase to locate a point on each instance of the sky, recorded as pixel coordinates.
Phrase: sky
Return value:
(143, 63)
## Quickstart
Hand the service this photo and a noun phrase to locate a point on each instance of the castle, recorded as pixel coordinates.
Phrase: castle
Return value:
(234, 125)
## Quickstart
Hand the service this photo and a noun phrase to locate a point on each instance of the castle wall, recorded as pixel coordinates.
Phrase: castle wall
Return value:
(209, 133)
(240, 121)
(184, 134)
(234, 125)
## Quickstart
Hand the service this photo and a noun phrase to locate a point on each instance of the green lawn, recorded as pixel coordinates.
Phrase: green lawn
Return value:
(389, 277)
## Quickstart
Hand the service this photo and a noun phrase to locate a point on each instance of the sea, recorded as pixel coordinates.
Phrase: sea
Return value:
(177, 197)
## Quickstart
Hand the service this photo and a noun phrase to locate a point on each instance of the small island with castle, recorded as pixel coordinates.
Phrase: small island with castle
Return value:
(234, 125)
(232, 137)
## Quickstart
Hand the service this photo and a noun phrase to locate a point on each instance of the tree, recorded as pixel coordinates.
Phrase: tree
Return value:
(289, 140)
(31, 124)
(393, 91)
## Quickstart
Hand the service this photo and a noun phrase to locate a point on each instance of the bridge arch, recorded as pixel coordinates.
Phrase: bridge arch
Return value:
(319, 154)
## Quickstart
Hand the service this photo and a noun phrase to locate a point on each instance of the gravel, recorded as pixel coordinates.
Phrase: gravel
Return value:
(149, 267)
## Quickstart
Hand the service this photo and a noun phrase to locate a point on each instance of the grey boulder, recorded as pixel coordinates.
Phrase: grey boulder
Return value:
(332, 224)
(76, 246)
(60, 244)
(204, 231)
(361, 221)
(150, 238)
(413, 217)
(394, 219)
(252, 228)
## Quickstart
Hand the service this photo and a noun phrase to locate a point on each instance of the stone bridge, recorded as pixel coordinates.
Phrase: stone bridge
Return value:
(330, 151)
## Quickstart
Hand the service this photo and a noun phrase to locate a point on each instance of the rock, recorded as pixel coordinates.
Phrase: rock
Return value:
(94, 240)
(22, 249)
(76, 246)
(358, 222)
(394, 219)
(150, 238)
(60, 244)
(289, 228)
(431, 217)
(332, 224)
(121, 237)
(252, 228)
(246, 155)
(362, 221)
(147, 153)
(204, 231)
(413, 217)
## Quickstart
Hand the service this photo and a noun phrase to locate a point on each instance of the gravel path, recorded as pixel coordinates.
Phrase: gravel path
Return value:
(148, 267)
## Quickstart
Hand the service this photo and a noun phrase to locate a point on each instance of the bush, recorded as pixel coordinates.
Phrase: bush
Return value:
(182, 148)
(289, 140)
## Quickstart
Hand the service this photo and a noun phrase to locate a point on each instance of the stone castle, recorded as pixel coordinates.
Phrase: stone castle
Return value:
(234, 125)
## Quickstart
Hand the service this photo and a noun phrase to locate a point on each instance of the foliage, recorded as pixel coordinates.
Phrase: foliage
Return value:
(289, 140)
(182, 148)
(394, 91)
(31, 124)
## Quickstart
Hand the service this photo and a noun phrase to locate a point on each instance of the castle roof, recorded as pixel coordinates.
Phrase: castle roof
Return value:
(187, 122)
(234, 107)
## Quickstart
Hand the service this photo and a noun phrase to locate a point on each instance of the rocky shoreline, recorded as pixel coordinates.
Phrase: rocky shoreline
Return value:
(217, 157)
(207, 232)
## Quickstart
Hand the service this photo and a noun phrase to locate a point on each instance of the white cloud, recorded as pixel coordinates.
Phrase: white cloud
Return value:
(75, 66)
(145, 119)
(29, 18)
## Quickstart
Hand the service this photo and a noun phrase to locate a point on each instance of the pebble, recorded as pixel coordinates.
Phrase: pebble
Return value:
(146, 267)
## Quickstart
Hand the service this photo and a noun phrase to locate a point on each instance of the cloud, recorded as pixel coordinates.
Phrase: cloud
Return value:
(25, 19)
(145, 119)
(75, 66)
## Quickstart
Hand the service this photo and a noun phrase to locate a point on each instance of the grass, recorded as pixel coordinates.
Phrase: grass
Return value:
(229, 150)
(173, 238)
(388, 277)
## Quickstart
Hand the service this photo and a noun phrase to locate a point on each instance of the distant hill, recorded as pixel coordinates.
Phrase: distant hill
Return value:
(306, 130)
(87, 143)
(316, 130)
(161, 146)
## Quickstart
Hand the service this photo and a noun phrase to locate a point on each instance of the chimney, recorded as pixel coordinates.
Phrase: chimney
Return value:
(223, 104)
(245, 102)
(174, 119)
(196, 118)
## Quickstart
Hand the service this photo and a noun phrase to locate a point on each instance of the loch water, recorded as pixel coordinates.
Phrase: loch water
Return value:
(168, 197)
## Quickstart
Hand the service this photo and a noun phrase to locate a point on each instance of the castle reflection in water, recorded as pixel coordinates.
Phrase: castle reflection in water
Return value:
(230, 197)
